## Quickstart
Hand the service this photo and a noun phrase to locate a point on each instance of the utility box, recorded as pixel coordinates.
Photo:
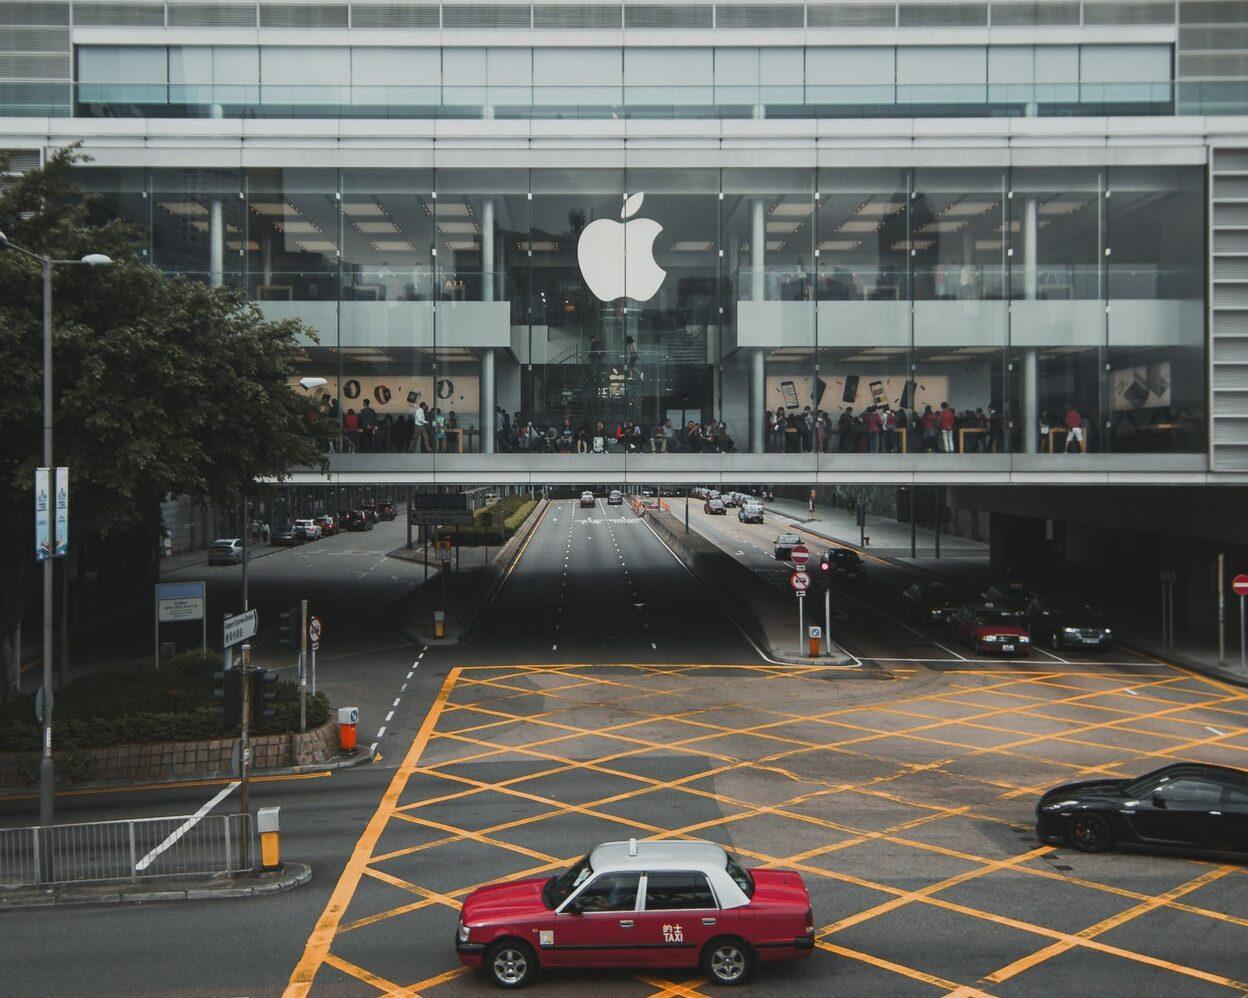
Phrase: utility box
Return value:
(268, 824)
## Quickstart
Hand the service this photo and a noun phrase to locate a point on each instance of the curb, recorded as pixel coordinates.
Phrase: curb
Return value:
(292, 875)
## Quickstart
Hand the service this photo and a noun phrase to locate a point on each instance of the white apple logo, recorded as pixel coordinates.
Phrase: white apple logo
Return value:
(617, 259)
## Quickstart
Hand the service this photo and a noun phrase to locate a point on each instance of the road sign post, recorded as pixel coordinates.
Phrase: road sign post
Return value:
(801, 624)
(314, 635)
(827, 619)
(244, 735)
(1240, 585)
(800, 582)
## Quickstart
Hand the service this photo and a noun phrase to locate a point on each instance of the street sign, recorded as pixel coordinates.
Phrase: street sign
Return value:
(815, 631)
(1240, 585)
(1168, 575)
(314, 630)
(799, 555)
(177, 601)
(440, 500)
(800, 581)
(240, 628)
(442, 517)
(442, 549)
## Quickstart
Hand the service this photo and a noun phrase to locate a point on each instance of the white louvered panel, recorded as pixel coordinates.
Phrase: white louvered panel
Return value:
(578, 16)
(1230, 379)
(1230, 268)
(1230, 188)
(1230, 296)
(34, 40)
(1230, 159)
(668, 16)
(1230, 351)
(750, 15)
(1230, 213)
(1022, 14)
(114, 14)
(1233, 404)
(476, 15)
(942, 15)
(34, 66)
(851, 15)
(1230, 458)
(29, 14)
(1128, 12)
(1213, 12)
(303, 15)
(1223, 36)
(395, 15)
(1227, 322)
(20, 160)
(1216, 64)
(211, 15)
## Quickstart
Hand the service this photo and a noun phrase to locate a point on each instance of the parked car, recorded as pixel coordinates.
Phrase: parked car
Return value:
(681, 904)
(715, 507)
(842, 563)
(287, 536)
(226, 551)
(931, 601)
(328, 523)
(310, 529)
(750, 512)
(615, 498)
(587, 500)
(785, 543)
(360, 519)
(386, 511)
(1067, 623)
(1013, 596)
(1183, 807)
(989, 628)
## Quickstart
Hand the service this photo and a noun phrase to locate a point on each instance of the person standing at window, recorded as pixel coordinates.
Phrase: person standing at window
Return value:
(1074, 430)
(947, 420)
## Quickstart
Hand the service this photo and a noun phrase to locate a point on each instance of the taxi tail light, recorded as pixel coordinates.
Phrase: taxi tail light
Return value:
(810, 920)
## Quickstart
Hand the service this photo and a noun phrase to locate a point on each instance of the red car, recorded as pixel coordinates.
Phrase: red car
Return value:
(639, 904)
(991, 629)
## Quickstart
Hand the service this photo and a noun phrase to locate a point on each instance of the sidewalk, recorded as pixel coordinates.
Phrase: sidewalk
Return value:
(965, 562)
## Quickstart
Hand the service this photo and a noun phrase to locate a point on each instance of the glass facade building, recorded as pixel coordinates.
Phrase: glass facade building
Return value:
(891, 249)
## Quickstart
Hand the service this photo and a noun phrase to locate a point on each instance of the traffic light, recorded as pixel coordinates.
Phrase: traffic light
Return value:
(288, 628)
(229, 694)
(261, 695)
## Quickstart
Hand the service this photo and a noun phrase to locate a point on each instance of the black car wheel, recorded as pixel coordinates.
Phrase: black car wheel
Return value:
(511, 963)
(728, 961)
(1089, 833)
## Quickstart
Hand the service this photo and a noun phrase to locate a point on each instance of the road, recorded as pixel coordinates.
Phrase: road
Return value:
(604, 695)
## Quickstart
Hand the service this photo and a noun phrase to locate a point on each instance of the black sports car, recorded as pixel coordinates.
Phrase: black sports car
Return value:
(1184, 807)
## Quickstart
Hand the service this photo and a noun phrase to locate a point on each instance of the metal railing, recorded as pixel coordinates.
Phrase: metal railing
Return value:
(130, 850)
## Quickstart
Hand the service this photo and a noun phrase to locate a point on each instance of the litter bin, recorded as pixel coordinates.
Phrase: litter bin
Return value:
(348, 718)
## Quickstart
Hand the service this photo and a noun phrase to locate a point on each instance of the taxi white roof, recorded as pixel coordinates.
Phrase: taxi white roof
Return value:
(676, 854)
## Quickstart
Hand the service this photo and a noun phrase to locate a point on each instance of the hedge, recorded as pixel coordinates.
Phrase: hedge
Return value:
(506, 517)
(138, 703)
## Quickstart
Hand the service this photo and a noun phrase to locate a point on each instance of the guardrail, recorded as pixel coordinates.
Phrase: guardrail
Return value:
(130, 850)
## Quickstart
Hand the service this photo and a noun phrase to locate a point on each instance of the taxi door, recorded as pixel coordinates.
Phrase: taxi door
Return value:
(597, 927)
(679, 918)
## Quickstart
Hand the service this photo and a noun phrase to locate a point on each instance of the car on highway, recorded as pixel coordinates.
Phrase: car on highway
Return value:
(715, 507)
(750, 512)
(615, 498)
(386, 511)
(1063, 622)
(731, 500)
(663, 903)
(226, 551)
(649, 492)
(785, 543)
(286, 537)
(1183, 807)
(931, 601)
(587, 500)
(1013, 596)
(328, 523)
(990, 629)
(842, 563)
(360, 519)
(310, 529)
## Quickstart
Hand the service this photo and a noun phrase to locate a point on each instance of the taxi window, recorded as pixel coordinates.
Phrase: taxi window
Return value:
(610, 892)
(741, 876)
(561, 886)
(677, 892)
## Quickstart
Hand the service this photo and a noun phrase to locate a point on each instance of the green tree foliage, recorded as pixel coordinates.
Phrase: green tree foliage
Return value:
(162, 385)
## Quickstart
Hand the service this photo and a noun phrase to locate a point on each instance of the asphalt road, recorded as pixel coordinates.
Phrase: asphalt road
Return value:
(604, 695)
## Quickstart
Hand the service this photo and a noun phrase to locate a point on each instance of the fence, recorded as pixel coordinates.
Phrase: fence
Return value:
(131, 850)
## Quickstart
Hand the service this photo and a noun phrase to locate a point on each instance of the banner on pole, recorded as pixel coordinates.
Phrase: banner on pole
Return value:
(43, 523)
(61, 534)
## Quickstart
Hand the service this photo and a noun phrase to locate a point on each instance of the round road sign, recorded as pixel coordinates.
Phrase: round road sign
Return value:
(1240, 585)
(799, 555)
(800, 581)
(314, 629)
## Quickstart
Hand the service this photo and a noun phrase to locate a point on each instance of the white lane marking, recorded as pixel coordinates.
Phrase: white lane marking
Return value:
(381, 732)
(403, 688)
(373, 748)
(1132, 692)
(409, 675)
(654, 646)
(186, 826)
(1052, 656)
(950, 651)
(390, 717)
(396, 702)
(554, 647)
(1220, 734)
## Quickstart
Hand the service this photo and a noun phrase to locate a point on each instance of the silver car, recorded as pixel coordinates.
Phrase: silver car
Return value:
(226, 551)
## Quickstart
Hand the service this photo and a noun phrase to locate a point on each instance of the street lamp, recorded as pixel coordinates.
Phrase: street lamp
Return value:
(46, 263)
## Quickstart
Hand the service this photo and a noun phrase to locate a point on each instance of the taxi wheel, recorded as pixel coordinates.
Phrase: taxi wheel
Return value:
(511, 963)
(728, 961)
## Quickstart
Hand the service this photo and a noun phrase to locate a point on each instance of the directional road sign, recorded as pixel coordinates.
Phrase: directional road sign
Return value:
(799, 555)
(442, 517)
(314, 629)
(241, 628)
(1240, 585)
(800, 581)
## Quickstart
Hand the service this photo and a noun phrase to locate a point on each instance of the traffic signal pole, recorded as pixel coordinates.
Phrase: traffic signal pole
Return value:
(244, 736)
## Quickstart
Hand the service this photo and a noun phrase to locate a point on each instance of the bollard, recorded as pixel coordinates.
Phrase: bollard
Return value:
(268, 825)
(815, 633)
(439, 624)
(348, 718)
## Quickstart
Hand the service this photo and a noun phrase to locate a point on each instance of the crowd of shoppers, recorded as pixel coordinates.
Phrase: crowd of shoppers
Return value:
(520, 435)
(883, 429)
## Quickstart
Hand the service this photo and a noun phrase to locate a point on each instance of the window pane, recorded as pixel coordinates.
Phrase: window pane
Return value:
(677, 892)
(1124, 63)
(610, 892)
(121, 64)
(304, 66)
(571, 67)
(668, 67)
(851, 66)
(393, 67)
(190, 64)
(941, 64)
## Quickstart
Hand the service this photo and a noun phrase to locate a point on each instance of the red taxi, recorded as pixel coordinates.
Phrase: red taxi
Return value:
(991, 629)
(639, 904)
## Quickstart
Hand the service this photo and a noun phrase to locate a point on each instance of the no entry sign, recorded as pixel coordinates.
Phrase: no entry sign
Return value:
(1240, 585)
(799, 555)
(314, 629)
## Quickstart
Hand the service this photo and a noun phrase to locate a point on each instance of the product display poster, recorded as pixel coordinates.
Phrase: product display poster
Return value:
(796, 392)
(396, 395)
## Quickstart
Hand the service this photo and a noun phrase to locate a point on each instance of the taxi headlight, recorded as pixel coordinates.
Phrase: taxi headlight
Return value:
(464, 932)
(1023, 639)
(991, 638)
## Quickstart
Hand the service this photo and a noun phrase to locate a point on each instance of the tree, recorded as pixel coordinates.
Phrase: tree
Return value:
(162, 386)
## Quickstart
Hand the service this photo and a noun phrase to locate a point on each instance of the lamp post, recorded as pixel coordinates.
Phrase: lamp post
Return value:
(46, 264)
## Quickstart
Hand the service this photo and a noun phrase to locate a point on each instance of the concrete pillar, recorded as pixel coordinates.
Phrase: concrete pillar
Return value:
(216, 243)
(758, 357)
(1031, 260)
(1031, 363)
(486, 386)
